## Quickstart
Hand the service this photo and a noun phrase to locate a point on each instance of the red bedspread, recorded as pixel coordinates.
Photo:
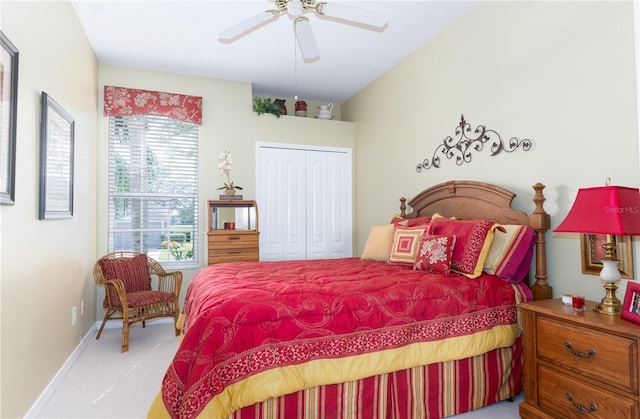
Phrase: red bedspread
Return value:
(254, 319)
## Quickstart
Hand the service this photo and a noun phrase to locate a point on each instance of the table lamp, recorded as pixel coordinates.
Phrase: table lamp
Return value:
(609, 210)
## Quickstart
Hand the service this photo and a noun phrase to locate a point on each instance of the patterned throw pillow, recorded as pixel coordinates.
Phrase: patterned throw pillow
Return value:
(404, 248)
(473, 240)
(510, 254)
(434, 254)
(133, 272)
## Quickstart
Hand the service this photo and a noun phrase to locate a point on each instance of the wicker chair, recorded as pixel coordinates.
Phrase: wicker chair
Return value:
(127, 278)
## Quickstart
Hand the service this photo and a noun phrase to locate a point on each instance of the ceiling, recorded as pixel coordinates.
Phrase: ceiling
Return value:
(181, 37)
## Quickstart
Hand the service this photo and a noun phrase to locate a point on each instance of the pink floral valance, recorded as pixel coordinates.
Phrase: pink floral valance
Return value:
(121, 101)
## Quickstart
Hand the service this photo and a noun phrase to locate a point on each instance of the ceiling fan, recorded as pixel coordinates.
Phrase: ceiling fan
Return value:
(296, 10)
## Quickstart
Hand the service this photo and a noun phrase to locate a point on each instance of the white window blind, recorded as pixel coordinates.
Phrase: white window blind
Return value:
(153, 188)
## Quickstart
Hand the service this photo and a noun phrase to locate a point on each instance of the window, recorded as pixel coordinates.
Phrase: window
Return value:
(153, 188)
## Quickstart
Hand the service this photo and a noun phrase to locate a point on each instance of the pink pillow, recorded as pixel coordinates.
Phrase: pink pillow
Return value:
(435, 253)
(510, 254)
(525, 265)
(473, 240)
(404, 249)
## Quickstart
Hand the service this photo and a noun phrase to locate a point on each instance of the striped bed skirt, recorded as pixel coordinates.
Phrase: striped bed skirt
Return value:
(430, 391)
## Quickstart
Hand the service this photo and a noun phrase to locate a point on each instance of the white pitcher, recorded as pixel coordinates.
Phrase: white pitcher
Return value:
(325, 111)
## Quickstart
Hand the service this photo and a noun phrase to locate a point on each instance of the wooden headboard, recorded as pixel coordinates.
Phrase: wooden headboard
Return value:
(465, 200)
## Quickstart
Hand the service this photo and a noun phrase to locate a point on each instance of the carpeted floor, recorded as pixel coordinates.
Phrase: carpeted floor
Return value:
(104, 383)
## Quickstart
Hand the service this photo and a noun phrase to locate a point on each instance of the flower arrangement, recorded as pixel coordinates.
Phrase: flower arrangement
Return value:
(225, 169)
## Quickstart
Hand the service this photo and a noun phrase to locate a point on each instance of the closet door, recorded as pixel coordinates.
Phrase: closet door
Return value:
(304, 202)
(328, 205)
(281, 203)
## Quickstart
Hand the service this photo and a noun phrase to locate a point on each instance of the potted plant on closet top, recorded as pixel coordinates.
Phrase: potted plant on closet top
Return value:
(225, 169)
(261, 105)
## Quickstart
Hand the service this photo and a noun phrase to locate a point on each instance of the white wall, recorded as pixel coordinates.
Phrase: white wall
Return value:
(45, 266)
(559, 73)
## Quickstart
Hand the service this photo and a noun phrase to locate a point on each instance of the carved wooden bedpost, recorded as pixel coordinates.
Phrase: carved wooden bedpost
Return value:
(403, 207)
(541, 222)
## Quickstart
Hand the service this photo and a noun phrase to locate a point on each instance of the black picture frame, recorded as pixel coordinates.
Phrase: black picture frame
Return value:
(8, 119)
(57, 128)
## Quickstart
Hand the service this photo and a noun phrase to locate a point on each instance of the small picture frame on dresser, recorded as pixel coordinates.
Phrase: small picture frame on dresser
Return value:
(631, 304)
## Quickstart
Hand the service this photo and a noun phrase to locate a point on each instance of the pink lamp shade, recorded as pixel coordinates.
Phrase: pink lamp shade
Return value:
(604, 210)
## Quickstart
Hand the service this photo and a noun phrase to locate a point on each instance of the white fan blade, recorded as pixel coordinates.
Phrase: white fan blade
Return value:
(354, 14)
(247, 25)
(306, 40)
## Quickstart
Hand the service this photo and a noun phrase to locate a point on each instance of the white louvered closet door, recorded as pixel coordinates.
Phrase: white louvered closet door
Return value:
(304, 202)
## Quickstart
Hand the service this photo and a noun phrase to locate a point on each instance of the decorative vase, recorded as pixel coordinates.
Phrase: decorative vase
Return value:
(283, 105)
(229, 191)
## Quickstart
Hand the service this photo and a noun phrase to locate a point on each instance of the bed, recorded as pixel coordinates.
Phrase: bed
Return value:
(396, 333)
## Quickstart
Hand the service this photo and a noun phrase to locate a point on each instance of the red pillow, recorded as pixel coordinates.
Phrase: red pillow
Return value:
(435, 253)
(405, 244)
(420, 221)
(133, 272)
(473, 240)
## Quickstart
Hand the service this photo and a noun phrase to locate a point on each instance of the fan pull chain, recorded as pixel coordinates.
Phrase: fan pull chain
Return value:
(295, 71)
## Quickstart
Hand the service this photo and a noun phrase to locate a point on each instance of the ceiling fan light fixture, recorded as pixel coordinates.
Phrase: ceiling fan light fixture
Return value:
(295, 8)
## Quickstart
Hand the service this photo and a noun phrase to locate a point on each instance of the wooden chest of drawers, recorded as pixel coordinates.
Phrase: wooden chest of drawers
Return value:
(578, 364)
(232, 233)
(233, 246)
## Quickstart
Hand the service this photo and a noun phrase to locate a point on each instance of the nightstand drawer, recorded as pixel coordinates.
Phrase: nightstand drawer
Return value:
(566, 396)
(605, 358)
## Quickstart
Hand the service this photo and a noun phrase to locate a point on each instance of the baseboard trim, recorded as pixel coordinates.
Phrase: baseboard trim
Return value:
(48, 390)
(117, 324)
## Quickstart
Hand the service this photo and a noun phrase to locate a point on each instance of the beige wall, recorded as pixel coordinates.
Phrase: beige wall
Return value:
(559, 73)
(228, 123)
(45, 266)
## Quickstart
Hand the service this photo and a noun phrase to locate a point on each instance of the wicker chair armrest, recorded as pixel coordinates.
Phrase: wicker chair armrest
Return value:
(112, 282)
(170, 282)
(120, 290)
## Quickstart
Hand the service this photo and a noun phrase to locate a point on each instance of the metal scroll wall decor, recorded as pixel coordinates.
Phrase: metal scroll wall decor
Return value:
(465, 142)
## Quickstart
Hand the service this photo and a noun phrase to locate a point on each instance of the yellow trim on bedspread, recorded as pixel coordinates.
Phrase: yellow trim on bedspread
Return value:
(289, 379)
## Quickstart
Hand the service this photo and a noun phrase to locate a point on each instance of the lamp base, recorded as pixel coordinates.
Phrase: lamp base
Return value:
(610, 304)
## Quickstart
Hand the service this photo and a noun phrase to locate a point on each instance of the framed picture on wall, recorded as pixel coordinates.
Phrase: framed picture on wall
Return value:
(592, 254)
(8, 119)
(631, 305)
(56, 160)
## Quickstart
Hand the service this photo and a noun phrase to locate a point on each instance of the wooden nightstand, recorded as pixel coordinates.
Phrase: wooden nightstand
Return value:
(578, 364)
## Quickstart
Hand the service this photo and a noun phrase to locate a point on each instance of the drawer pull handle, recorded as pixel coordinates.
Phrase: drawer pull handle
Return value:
(234, 252)
(592, 407)
(233, 238)
(590, 351)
